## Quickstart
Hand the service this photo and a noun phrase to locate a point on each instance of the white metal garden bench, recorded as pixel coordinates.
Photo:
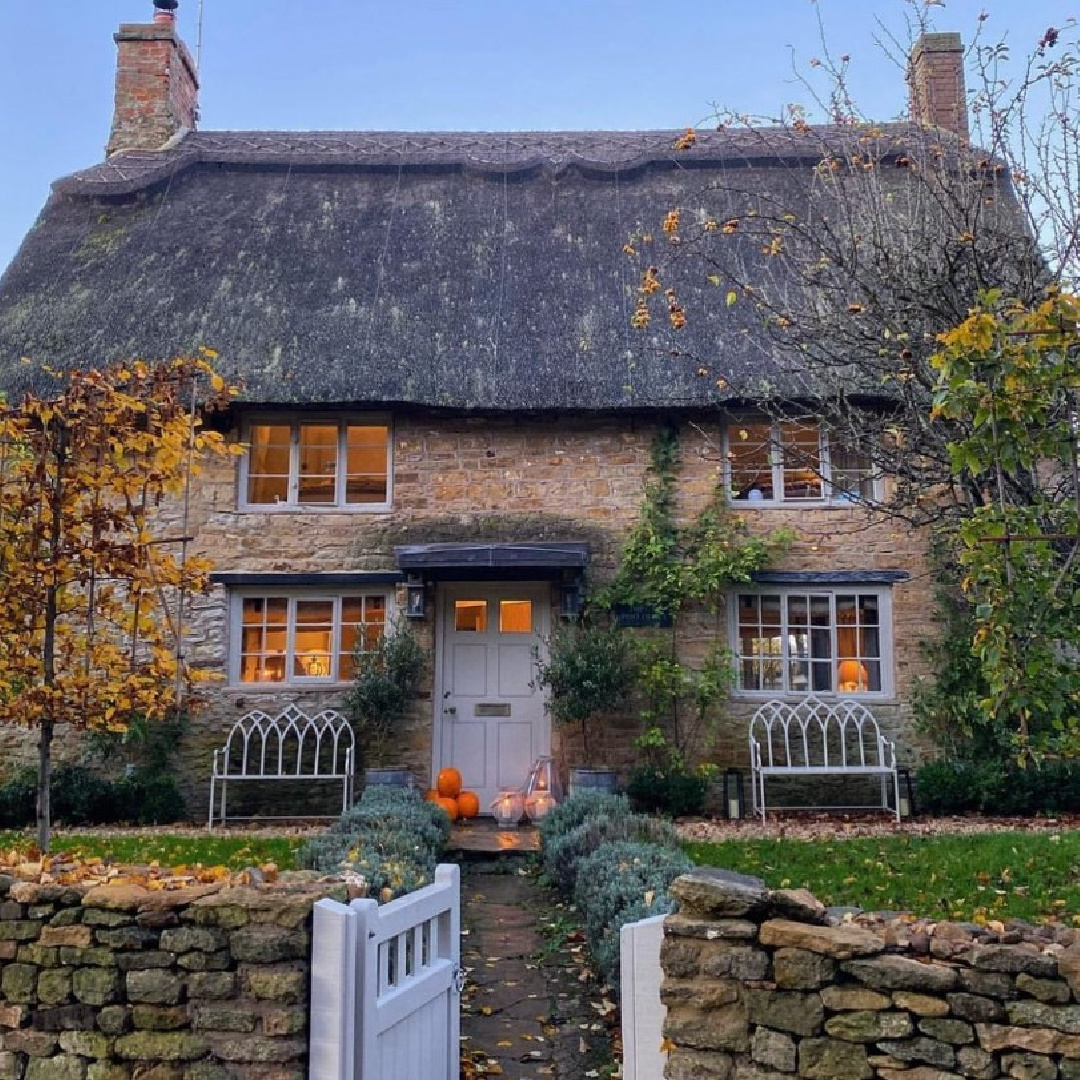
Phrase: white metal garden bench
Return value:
(815, 738)
(289, 746)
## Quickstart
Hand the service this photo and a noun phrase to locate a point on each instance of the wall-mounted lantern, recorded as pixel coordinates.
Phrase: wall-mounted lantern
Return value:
(415, 596)
(572, 599)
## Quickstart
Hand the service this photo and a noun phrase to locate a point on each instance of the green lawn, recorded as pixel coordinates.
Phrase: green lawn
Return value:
(234, 852)
(1032, 876)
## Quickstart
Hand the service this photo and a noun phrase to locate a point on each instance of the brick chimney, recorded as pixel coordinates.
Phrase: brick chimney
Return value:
(936, 82)
(157, 88)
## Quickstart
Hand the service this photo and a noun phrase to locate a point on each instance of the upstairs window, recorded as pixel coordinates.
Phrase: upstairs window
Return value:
(317, 465)
(800, 642)
(794, 462)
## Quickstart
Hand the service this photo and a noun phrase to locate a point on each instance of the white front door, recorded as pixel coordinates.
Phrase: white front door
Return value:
(490, 720)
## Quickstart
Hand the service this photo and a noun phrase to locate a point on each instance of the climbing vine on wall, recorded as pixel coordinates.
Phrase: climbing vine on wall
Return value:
(669, 568)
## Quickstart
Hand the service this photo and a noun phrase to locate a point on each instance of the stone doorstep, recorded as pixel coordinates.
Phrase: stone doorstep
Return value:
(483, 837)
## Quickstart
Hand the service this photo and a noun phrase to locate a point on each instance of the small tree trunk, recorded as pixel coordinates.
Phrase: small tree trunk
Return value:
(44, 810)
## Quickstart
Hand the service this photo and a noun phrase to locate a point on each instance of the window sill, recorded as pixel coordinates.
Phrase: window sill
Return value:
(285, 687)
(879, 697)
(797, 504)
(296, 508)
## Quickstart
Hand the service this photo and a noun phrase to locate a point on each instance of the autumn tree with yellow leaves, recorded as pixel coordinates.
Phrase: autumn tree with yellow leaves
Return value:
(93, 587)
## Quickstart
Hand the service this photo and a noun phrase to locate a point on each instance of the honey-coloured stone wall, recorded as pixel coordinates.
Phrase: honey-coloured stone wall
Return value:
(461, 478)
(764, 985)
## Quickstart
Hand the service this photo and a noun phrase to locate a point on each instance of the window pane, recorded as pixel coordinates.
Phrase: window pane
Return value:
(268, 463)
(801, 448)
(313, 638)
(852, 471)
(798, 611)
(362, 622)
(366, 463)
(262, 641)
(515, 617)
(318, 463)
(770, 611)
(470, 616)
(750, 461)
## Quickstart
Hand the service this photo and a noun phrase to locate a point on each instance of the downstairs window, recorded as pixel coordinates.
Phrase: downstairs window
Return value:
(801, 641)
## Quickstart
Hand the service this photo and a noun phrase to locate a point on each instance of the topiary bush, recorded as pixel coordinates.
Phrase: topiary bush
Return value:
(620, 883)
(562, 857)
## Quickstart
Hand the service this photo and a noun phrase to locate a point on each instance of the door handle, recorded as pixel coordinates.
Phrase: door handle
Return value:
(450, 710)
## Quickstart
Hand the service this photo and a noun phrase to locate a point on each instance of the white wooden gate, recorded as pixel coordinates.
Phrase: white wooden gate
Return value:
(643, 1013)
(385, 990)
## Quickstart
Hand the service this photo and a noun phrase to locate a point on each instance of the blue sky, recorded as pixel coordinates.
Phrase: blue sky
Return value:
(446, 65)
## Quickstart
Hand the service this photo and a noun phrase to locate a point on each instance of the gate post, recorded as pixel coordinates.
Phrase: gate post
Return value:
(332, 1023)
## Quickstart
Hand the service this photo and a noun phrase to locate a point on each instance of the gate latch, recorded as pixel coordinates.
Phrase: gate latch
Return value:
(459, 978)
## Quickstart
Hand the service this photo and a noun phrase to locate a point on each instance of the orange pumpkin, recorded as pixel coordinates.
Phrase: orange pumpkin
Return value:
(449, 783)
(468, 804)
(449, 805)
(432, 795)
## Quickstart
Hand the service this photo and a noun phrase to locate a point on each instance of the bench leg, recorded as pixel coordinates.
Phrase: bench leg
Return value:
(896, 793)
(221, 815)
(210, 823)
(761, 800)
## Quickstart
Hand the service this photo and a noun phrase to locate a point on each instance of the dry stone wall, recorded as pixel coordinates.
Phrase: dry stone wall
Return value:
(763, 985)
(116, 982)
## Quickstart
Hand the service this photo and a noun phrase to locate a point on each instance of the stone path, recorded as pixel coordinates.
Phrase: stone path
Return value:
(525, 1008)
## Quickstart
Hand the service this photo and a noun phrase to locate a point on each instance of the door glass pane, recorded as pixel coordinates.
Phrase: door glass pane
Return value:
(515, 617)
(366, 456)
(470, 616)
(268, 463)
(750, 460)
(318, 463)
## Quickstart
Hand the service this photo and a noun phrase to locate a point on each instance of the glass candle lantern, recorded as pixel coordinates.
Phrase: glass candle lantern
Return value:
(543, 776)
(538, 805)
(508, 808)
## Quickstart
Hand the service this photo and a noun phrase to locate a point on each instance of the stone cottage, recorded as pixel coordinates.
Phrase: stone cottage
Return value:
(447, 409)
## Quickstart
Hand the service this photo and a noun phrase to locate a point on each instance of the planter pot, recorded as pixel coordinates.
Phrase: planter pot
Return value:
(587, 778)
(390, 776)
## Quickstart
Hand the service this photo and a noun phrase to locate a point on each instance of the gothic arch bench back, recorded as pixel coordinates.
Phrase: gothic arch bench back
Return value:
(290, 745)
(817, 738)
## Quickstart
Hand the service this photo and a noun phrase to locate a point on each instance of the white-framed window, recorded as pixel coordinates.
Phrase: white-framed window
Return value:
(794, 462)
(322, 463)
(803, 640)
(302, 638)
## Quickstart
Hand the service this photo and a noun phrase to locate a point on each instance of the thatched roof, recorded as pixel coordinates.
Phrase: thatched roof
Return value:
(481, 271)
